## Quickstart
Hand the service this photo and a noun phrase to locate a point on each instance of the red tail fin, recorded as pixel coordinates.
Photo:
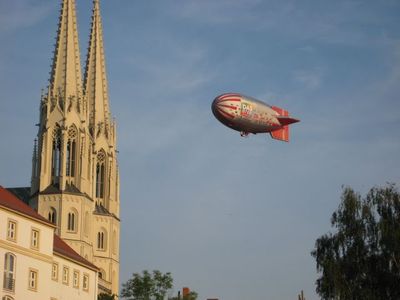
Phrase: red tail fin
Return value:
(282, 112)
(281, 134)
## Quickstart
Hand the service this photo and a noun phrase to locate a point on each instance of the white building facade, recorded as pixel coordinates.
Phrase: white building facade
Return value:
(36, 263)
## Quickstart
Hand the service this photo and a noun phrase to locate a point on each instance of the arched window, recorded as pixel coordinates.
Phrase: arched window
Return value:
(72, 221)
(71, 152)
(100, 174)
(102, 239)
(102, 274)
(52, 216)
(56, 155)
(7, 298)
(9, 272)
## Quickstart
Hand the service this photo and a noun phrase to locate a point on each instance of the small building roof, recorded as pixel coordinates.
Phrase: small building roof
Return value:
(22, 193)
(60, 247)
(10, 201)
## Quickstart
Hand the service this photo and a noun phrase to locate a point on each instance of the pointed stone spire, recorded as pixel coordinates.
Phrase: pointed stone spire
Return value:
(66, 76)
(95, 80)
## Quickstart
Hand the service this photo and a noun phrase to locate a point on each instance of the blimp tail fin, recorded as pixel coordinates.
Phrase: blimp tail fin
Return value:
(281, 134)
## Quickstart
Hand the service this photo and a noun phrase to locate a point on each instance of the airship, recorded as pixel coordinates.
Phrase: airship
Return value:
(248, 115)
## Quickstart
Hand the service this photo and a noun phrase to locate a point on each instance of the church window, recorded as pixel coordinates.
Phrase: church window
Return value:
(72, 219)
(102, 240)
(102, 274)
(56, 155)
(9, 272)
(71, 152)
(100, 174)
(52, 216)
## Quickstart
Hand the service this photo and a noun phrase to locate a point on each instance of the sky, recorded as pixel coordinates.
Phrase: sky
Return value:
(230, 217)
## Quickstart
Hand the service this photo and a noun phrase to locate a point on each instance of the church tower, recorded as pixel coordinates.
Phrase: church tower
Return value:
(75, 180)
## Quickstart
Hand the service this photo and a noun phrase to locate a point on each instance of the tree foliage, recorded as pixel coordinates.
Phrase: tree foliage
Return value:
(147, 286)
(104, 296)
(361, 259)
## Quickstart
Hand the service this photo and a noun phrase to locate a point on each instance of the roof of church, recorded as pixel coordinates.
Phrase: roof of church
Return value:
(22, 193)
(66, 76)
(10, 201)
(62, 248)
(101, 210)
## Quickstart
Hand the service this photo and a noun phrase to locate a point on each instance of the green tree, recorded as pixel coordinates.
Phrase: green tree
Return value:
(104, 296)
(147, 286)
(360, 259)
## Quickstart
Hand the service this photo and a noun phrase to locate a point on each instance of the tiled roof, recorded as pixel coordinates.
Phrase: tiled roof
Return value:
(22, 193)
(61, 247)
(10, 201)
(101, 210)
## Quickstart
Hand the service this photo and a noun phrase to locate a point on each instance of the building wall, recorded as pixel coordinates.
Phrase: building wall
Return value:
(62, 290)
(39, 260)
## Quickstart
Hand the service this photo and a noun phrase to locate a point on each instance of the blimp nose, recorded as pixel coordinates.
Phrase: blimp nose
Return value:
(224, 108)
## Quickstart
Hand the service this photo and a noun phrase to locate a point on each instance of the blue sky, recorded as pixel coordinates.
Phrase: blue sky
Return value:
(230, 217)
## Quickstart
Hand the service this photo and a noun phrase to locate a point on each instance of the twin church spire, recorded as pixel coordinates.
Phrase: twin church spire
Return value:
(75, 117)
(65, 76)
(75, 179)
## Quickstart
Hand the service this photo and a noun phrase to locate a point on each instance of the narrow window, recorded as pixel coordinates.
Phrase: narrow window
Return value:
(54, 272)
(100, 180)
(76, 279)
(33, 277)
(65, 278)
(56, 155)
(71, 152)
(100, 240)
(12, 230)
(52, 216)
(71, 222)
(35, 239)
(9, 272)
(100, 174)
(85, 283)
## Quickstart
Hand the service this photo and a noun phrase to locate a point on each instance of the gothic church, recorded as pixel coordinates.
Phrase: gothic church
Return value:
(75, 179)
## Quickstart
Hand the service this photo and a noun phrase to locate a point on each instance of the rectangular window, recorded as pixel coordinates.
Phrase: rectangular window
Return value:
(54, 272)
(12, 230)
(35, 239)
(65, 278)
(76, 279)
(85, 284)
(33, 278)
